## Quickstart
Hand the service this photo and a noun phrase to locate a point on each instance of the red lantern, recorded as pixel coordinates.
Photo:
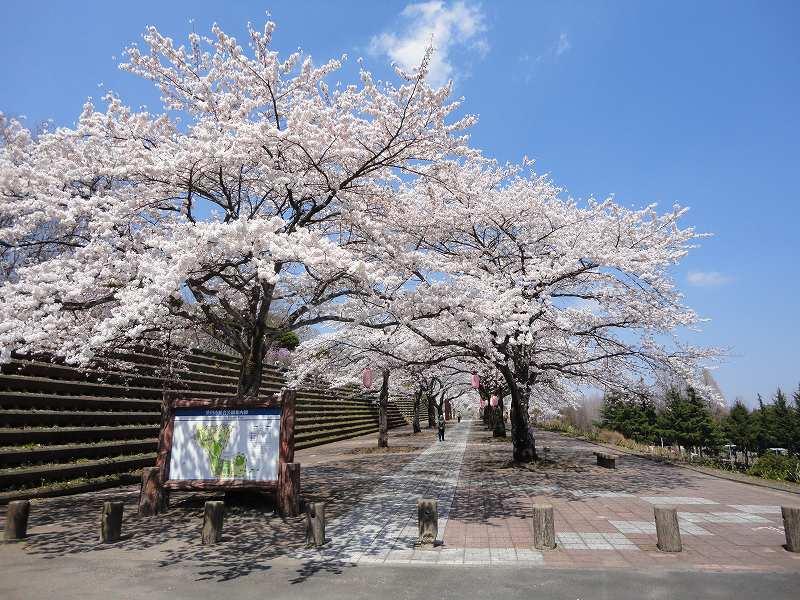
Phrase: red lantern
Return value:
(476, 381)
(366, 378)
(493, 401)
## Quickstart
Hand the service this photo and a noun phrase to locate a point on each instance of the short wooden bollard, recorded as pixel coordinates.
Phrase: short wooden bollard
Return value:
(544, 531)
(111, 522)
(289, 489)
(151, 495)
(17, 520)
(212, 521)
(791, 527)
(428, 515)
(315, 524)
(667, 529)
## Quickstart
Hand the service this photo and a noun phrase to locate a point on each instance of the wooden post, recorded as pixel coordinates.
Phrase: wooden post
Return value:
(212, 522)
(111, 522)
(791, 527)
(428, 515)
(164, 446)
(667, 529)
(17, 520)
(544, 531)
(315, 524)
(150, 495)
(289, 489)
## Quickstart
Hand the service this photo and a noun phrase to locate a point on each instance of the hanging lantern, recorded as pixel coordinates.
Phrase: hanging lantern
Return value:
(493, 401)
(366, 378)
(476, 381)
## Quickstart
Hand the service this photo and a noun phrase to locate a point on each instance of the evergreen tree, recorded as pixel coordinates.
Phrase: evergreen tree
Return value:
(739, 429)
(796, 421)
(610, 411)
(687, 420)
(762, 427)
(782, 422)
(634, 418)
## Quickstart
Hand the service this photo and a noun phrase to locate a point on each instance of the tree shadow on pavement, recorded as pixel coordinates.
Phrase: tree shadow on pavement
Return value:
(492, 487)
(253, 535)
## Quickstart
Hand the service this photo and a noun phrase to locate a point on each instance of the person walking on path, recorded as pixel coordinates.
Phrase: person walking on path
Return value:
(441, 428)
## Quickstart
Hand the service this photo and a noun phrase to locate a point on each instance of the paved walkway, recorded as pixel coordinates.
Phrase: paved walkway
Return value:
(382, 527)
(603, 518)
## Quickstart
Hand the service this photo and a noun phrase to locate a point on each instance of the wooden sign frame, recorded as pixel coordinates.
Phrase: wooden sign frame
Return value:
(285, 448)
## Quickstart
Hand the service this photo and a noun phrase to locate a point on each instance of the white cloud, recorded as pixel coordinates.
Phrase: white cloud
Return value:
(708, 278)
(446, 26)
(563, 44)
(550, 55)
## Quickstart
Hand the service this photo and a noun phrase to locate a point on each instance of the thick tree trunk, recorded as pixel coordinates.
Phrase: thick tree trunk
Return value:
(431, 412)
(440, 408)
(251, 370)
(499, 424)
(415, 420)
(521, 434)
(383, 422)
(253, 356)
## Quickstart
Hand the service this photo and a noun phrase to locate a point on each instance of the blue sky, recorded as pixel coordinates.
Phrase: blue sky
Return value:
(695, 103)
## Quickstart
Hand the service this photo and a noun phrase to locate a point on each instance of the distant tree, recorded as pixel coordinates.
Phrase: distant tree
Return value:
(634, 418)
(796, 422)
(782, 422)
(762, 422)
(739, 429)
(687, 420)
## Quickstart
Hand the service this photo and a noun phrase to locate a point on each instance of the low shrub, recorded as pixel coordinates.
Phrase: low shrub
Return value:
(610, 437)
(777, 467)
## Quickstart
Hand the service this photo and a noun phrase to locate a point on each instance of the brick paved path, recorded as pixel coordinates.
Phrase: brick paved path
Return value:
(604, 518)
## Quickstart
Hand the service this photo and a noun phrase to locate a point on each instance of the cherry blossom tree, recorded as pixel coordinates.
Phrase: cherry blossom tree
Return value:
(556, 295)
(253, 204)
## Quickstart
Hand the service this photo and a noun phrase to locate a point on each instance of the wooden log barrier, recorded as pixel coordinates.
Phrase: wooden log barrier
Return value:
(212, 522)
(17, 520)
(151, 494)
(289, 489)
(608, 461)
(428, 516)
(544, 532)
(315, 524)
(667, 529)
(111, 522)
(791, 527)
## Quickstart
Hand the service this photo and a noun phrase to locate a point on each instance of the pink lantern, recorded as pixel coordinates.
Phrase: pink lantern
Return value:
(476, 381)
(366, 378)
(493, 401)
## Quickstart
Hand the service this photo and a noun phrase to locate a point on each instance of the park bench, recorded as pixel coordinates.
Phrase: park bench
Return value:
(609, 461)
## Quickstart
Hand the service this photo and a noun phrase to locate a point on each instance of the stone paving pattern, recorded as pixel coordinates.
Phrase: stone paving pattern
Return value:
(603, 518)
